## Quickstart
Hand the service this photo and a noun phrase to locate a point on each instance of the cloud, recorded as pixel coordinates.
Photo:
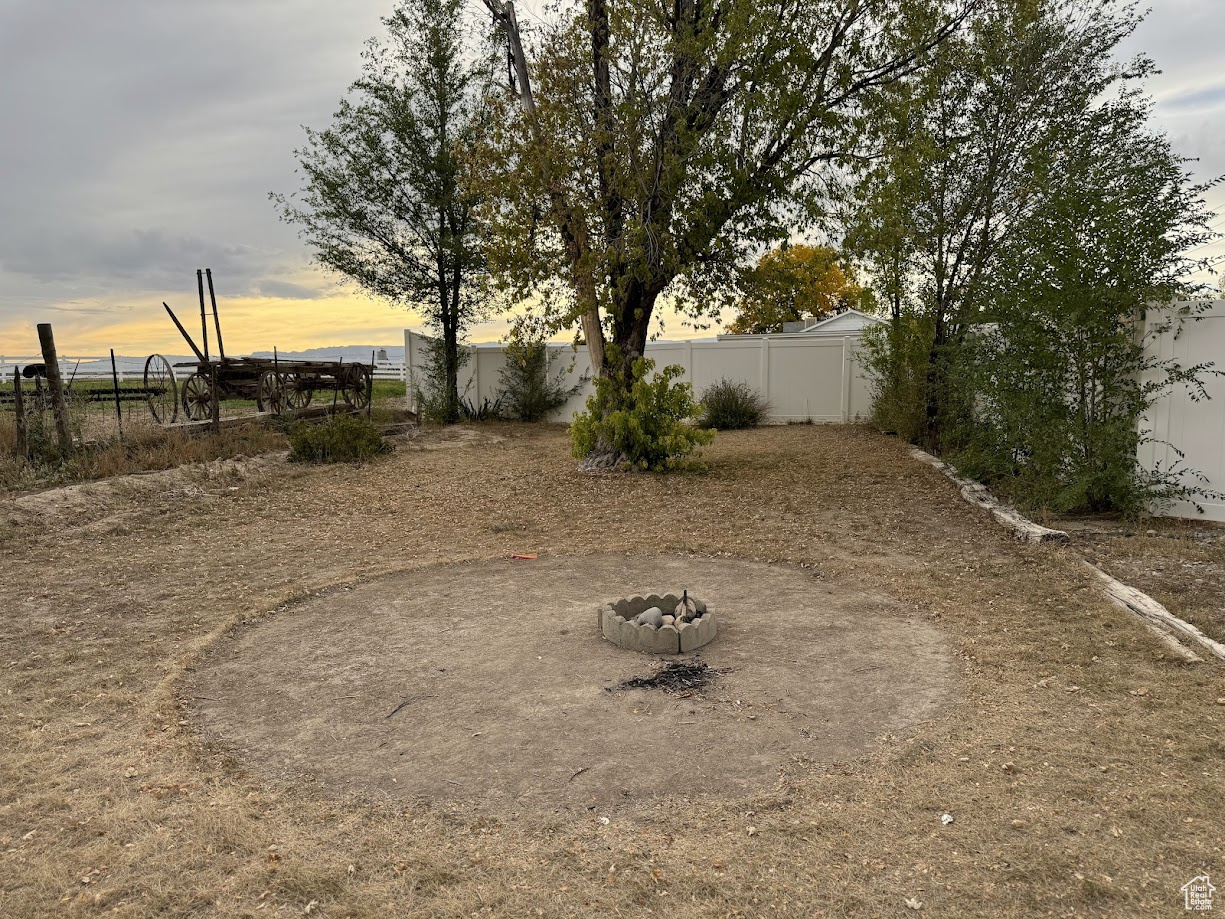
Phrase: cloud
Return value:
(1208, 98)
(287, 290)
(151, 257)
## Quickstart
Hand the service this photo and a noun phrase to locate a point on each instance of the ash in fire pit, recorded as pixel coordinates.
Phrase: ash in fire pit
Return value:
(680, 678)
(658, 624)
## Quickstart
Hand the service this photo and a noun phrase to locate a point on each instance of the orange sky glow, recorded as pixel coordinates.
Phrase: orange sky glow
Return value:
(248, 324)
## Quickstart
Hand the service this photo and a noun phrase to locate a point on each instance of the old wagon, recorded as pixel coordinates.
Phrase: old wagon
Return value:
(275, 385)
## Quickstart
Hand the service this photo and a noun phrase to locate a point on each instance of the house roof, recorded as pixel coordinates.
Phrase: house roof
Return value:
(848, 320)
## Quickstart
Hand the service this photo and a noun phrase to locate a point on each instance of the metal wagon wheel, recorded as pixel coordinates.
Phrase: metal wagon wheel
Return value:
(298, 391)
(163, 390)
(197, 397)
(355, 385)
(270, 392)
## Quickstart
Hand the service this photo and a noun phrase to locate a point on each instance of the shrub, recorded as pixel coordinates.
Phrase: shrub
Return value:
(896, 357)
(342, 439)
(488, 410)
(529, 391)
(644, 428)
(729, 405)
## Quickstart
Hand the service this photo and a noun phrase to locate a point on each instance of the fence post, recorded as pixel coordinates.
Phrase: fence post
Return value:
(47, 341)
(765, 367)
(340, 376)
(115, 383)
(23, 448)
(845, 392)
(214, 399)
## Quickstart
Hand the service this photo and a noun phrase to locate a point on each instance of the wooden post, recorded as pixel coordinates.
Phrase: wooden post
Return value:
(55, 384)
(208, 272)
(115, 383)
(214, 398)
(19, 404)
(203, 318)
(340, 366)
(370, 391)
(182, 331)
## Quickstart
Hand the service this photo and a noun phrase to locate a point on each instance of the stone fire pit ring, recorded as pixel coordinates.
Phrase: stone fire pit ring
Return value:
(616, 623)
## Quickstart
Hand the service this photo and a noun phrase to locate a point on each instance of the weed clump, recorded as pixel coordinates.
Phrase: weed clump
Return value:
(342, 439)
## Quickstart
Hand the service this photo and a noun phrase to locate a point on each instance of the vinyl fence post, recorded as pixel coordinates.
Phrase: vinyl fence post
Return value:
(47, 341)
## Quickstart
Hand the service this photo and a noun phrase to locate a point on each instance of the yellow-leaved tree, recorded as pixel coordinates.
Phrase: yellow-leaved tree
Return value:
(791, 282)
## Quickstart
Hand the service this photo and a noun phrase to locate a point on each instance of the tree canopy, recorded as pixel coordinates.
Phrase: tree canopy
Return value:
(671, 141)
(388, 199)
(791, 282)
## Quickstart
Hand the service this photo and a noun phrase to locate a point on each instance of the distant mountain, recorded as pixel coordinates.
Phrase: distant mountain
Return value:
(341, 352)
(131, 367)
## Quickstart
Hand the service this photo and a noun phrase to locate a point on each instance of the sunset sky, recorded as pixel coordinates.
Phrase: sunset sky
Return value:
(141, 140)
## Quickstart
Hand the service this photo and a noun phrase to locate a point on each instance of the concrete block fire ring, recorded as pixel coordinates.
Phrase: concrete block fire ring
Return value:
(616, 625)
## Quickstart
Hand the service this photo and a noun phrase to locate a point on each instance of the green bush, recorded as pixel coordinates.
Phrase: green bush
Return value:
(896, 357)
(729, 405)
(529, 392)
(644, 428)
(342, 439)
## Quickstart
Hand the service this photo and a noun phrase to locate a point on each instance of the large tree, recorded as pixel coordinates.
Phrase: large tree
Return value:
(387, 198)
(659, 144)
(1061, 375)
(955, 179)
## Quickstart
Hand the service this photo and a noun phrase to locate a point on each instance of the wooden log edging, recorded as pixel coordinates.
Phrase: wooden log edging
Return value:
(1153, 612)
(976, 493)
(1167, 627)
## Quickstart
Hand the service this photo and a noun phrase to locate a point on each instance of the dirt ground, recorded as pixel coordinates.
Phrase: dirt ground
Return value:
(488, 682)
(1080, 765)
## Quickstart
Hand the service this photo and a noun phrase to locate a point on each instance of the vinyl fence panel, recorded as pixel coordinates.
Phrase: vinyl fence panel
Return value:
(1180, 423)
(802, 377)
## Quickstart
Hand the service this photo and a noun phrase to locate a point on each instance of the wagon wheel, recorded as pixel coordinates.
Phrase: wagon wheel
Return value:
(355, 385)
(163, 390)
(270, 393)
(197, 397)
(298, 391)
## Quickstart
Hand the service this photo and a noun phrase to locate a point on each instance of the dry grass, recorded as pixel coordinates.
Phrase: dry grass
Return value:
(1180, 563)
(1081, 765)
(147, 447)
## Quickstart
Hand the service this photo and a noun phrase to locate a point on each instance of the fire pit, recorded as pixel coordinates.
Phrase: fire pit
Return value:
(658, 623)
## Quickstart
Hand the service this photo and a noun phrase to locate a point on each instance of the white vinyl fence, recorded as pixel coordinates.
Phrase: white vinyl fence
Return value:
(803, 377)
(1197, 428)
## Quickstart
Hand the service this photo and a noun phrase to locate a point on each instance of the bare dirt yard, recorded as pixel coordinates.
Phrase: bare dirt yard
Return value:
(200, 668)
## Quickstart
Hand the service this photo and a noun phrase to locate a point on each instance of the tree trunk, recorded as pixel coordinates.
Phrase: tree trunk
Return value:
(629, 339)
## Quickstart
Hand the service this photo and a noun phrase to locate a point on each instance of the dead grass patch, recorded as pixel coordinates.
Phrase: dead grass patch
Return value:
(1180, 563)
(1080, 765)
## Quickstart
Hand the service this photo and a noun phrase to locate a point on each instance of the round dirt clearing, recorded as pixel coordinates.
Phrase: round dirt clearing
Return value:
(490, 683)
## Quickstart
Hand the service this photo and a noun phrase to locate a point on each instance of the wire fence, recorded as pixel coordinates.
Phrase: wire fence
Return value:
(129, 369)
